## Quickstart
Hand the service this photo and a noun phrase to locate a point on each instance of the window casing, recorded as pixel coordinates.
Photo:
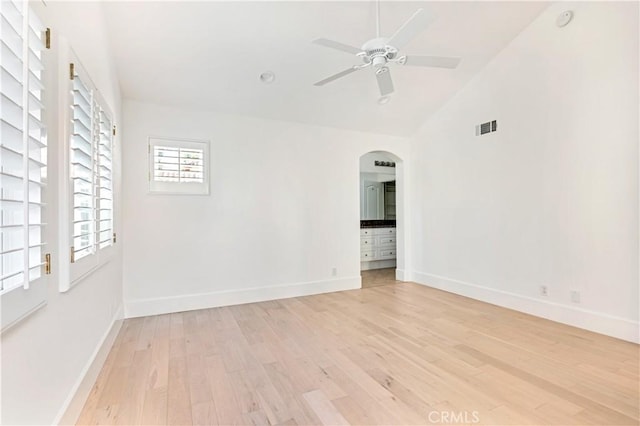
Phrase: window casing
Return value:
(178, 166)
(23, 161)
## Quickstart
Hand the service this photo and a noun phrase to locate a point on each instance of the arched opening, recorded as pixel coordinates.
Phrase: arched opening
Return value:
(381, 183)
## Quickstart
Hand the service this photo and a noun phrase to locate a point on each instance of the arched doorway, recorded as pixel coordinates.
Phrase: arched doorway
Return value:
(381, 183)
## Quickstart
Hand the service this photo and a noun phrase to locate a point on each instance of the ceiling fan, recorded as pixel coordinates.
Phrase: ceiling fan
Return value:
(379, 52)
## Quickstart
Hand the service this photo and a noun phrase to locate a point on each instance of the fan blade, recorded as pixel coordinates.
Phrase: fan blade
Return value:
(385, 84)
(432, 61)
(337, 45)
(414, 25)
(336, 76)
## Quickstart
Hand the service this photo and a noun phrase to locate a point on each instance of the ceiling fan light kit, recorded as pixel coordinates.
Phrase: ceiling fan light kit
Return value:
(382, 100)
(380, 52)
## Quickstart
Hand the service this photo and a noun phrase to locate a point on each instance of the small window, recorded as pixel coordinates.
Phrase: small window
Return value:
(178, 166)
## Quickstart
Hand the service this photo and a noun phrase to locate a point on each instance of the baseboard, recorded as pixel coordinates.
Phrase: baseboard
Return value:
(72, 407)
(403, 275)
(189, 302)
(598, 322)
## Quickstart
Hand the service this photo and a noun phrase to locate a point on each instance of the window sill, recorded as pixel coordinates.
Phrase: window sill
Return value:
(105, 261)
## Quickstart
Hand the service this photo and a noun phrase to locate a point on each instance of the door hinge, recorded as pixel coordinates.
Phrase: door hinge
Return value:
(114, 130)
(71, 71)
(114, 238)
(47, 264)
(47, 38)
(73, 255)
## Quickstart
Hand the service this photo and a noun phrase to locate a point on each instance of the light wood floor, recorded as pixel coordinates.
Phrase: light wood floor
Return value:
(390, 354)
(376, 277)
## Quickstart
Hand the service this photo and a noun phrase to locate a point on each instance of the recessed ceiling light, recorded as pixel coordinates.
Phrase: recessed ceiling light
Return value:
(267, 77)
(384, 99)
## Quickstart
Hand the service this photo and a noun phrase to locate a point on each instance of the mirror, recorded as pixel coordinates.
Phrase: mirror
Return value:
(377, 187)
(378, 200)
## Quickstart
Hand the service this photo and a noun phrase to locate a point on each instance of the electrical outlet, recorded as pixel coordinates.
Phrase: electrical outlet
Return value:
(575, 296)
(334, 272)
(544, 291)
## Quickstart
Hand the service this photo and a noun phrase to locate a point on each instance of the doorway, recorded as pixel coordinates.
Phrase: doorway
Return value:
(379, 230)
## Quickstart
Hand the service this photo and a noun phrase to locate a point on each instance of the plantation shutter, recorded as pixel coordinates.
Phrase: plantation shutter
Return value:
(83, 174)
(90, 150)
(23, 153)
(178, 166)
(105, 179)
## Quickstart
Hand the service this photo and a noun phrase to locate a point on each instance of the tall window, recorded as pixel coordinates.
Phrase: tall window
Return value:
(90, 174)
(23, 155)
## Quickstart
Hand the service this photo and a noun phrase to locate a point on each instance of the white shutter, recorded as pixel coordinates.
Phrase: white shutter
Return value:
(90, 221)
(82, 162)
(175, 164)
(105, 179)
(178, 166)
(36, 146)
(22, 147)
(12, 177)
(23, 160)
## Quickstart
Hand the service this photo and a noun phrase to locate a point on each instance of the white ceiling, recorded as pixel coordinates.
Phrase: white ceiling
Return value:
(209, 55)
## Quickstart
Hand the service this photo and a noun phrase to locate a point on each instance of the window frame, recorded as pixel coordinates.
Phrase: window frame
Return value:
(179, 188)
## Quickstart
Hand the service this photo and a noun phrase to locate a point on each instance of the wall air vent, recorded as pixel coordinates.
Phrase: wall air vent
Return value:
(488, 127)
(384, 163)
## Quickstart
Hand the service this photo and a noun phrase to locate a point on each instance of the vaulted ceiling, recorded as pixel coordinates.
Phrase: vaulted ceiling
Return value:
(209, 55)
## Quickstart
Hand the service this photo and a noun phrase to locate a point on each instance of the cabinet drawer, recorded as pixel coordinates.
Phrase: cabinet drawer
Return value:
(367, 242)
(366, 232)
(385, 231)
(387, 254)
(367, 255)
(387, 241)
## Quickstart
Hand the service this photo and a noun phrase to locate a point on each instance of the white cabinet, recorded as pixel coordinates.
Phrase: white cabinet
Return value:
(377, 244)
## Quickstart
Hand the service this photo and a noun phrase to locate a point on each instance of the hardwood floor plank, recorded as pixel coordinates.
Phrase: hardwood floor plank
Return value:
(179, 396)
(154, 410)
(228, 410)
(204, 413)
(324, 409)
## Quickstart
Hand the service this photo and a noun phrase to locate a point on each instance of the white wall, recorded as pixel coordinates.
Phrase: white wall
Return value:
(283, 211)
(552, 197)
(44, 357)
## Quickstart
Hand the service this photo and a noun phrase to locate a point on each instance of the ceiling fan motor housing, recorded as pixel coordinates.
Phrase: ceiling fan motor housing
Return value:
(378, 52)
